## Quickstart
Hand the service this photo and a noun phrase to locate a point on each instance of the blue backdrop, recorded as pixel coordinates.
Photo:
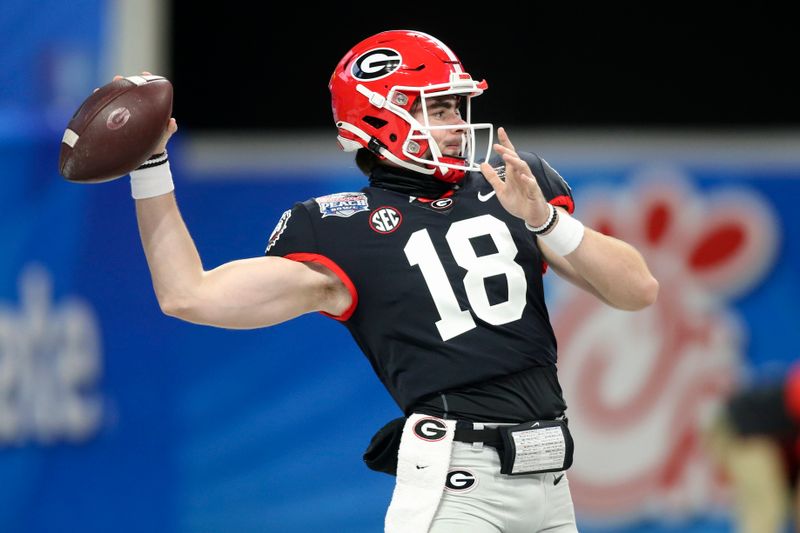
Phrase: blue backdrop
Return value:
(114, 416)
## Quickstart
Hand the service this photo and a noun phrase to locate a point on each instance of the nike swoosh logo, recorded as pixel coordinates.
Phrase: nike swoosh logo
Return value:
(421, 467)
(485, 197)
(556, 480)
(535, 424)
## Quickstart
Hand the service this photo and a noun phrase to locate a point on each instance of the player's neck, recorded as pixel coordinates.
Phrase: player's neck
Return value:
(408, 182)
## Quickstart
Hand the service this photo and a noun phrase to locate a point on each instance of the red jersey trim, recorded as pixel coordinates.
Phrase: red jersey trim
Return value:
(336, 269)
(565, 202)
(445, 195)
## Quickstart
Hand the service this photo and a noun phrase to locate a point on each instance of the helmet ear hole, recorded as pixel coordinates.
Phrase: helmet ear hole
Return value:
(375, 122)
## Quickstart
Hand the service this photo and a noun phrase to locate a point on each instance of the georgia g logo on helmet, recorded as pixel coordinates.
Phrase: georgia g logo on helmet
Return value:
(376, 64)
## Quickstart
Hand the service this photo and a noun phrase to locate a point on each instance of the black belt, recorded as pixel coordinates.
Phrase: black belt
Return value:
(466, 433)
(489, 436)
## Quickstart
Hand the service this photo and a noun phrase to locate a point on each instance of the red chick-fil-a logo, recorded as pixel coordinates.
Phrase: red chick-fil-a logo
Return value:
(640, 385)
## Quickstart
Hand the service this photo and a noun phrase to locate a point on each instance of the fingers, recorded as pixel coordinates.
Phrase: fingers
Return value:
(491, 176)
(144, 73)
(518, 172)
(118, 77)
(502, 136)
(500, 149)
(511, 158)
(115, 78)
(515, 167)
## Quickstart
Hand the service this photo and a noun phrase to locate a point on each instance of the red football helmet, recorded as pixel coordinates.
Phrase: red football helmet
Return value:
(376, 85)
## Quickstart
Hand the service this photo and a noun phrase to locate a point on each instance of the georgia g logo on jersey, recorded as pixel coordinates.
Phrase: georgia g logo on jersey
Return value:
(376, 64)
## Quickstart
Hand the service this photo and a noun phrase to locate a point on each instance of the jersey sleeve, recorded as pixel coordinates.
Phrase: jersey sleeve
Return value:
(295, 238)
(293, 234)
(556, 190)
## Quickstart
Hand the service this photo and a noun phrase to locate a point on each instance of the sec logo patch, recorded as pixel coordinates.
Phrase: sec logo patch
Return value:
(385, 219)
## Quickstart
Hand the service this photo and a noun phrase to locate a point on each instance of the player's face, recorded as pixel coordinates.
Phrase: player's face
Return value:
(445, 111)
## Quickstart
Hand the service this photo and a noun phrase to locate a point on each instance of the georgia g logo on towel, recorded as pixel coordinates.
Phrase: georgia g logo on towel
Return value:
(422, 464)
(430, 429)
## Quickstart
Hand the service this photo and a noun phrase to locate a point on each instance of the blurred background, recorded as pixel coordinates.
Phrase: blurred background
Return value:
(677, 133)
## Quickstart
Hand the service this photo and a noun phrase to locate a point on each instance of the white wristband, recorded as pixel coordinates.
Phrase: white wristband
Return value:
(154, 178)
(565, 236)
(547, 223)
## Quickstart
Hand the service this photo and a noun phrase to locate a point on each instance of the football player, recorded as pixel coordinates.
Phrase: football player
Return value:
(436, 270)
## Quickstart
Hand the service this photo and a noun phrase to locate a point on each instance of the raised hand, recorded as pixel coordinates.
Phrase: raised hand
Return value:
(519, 194)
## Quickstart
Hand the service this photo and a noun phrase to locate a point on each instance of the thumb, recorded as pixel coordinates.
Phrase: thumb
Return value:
(172, 127)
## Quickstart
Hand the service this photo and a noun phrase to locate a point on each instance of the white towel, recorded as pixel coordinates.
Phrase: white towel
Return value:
(423, 462)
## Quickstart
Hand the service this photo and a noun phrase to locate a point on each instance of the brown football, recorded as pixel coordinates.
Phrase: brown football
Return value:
(116, 129)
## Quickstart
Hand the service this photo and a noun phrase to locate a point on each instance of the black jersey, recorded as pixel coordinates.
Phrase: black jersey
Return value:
(447, 294)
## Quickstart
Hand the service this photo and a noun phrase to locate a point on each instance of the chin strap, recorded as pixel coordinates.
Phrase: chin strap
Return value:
(442, 173)
(376, 147)
(405, 164)
(448, 174)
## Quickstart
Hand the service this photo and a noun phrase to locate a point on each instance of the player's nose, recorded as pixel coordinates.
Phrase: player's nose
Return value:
(459, 124)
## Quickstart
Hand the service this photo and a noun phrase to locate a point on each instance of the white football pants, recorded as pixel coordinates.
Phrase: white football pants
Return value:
(478, 499)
